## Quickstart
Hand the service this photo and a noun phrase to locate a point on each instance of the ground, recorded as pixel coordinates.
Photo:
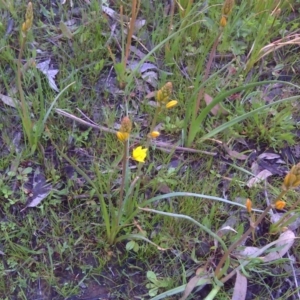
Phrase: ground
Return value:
(211, 95)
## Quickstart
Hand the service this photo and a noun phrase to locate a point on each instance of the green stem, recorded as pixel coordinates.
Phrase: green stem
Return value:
(124, 176)
(99, 194)
(27, 124)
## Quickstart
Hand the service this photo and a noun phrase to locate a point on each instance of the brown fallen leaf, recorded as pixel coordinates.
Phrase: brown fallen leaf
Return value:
(193, 282)
(9, 100)
(217, 109)
(234, 154)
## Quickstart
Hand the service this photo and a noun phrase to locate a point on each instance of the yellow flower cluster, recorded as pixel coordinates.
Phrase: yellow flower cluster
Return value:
(28, 18)
(125, 129)
(163, 96)
(291, 181)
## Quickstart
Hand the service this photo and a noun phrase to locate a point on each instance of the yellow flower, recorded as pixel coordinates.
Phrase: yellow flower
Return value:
(171, 103)
(162, 95)
(125, 129)
(223, 21)
(139, 154)
(122, 136)
(154, 134)
(249, 205)
(280, 204)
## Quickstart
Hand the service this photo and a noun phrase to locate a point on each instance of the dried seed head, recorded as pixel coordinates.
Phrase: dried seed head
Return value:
(126, 125)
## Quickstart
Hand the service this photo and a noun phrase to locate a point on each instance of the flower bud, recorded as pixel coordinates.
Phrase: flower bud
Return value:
(154, 134)
(249, 205)
(223, 21)
(122, 136)
(292, 179)
(280, 204)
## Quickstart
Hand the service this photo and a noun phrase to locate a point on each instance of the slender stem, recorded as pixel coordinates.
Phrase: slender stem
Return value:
(148, 142)
(134, 12)
(124, 176)
(206, 74)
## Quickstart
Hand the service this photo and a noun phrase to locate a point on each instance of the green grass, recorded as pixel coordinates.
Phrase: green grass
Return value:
(62, 244)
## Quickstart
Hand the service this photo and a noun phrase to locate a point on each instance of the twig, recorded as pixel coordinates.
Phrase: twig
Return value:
(159, 145)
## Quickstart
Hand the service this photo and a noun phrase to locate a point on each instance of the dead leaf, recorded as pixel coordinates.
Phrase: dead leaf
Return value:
(217, 109)
(50, 74)
(284, 243)
(191, 285)
(40, 191)
(267, 155)
(222, 231)
(240, 287)
(151, 77)
(9, 100)
(264, 174)
(248, 251)
(235, 154)
(64, 1)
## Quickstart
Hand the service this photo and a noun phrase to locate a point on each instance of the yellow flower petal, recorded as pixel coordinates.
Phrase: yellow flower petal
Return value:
(139, 154)
(122, 136)
(171, 103)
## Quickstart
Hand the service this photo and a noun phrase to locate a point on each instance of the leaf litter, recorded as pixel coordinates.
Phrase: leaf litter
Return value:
(50, 74)
(40, 189)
